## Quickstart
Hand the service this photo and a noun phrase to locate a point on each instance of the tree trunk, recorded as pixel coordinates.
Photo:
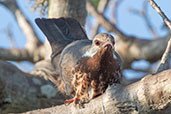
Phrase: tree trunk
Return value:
(68, 8)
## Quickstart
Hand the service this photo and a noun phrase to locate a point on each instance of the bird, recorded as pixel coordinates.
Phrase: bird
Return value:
(73, 55)
(96, 70)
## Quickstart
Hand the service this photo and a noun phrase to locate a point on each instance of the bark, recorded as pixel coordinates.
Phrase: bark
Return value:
(21, 91)
(152, 95)
(68, 8)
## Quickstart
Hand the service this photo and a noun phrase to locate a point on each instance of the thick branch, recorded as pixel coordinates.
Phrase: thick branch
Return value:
(15, 54)
(21, 91)
(23, 54)
(132, 48)
(149, 95)
(68, 8)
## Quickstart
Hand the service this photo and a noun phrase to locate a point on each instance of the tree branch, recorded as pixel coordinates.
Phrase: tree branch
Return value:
(103, 21)
(149, 95)
(33, 46)
(161, 13)
(143, 14)
(101, 8)
(132, 48)
(165, 61)
(21, 91)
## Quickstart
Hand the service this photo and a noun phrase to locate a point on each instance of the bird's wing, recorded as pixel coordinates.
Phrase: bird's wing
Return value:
(118, 58)
(69, 58)
(60, 32)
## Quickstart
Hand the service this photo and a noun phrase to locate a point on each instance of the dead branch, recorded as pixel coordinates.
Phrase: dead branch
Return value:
(165, 61)
(149, 95)
(161, 13)
(33, 48)
(132, 48)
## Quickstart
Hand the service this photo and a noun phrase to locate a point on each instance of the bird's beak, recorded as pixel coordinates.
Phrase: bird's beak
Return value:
(107, 42)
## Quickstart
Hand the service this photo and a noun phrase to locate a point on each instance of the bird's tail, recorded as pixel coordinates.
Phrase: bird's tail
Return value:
(60, 32)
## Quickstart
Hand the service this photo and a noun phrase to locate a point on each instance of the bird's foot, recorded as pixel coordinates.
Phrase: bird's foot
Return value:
(78, 102)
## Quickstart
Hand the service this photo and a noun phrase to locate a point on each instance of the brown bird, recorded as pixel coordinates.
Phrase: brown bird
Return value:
(97, 69)
(85, 66)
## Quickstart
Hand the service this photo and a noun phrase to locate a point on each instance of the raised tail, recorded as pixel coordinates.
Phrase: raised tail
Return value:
(60, 32)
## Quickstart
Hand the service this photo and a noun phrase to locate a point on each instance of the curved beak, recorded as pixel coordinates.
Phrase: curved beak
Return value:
(108, 42)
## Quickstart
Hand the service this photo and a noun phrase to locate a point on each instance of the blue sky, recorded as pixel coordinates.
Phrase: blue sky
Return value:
(129, 23)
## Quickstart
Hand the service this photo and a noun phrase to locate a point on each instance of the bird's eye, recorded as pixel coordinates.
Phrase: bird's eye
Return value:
(97, 42)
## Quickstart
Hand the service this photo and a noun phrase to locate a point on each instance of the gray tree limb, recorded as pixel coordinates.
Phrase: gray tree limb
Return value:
(21, 91)
(152, 94)
(165, 61)
(33, 48)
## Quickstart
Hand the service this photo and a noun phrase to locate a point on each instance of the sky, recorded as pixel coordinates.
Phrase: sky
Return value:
(129, 23)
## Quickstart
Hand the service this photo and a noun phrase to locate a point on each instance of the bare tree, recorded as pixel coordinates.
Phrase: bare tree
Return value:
(21, 92)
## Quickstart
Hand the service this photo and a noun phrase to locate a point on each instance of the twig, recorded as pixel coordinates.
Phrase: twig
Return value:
(110, 27)
(115, 7)
(143, 14)
(165, 61)
(10, 36)
(161, 13)
(33, 48)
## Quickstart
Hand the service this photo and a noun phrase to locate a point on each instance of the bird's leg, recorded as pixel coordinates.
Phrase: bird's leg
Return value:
(75, 99)
(76, 84)
(95, 90)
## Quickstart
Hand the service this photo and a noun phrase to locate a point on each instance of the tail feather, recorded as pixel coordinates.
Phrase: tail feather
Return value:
(60, 32)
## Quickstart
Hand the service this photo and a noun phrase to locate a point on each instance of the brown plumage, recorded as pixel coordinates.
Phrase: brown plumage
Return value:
(94, 74)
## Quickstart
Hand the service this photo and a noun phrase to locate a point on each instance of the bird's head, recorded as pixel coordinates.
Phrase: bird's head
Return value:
(99, 41)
